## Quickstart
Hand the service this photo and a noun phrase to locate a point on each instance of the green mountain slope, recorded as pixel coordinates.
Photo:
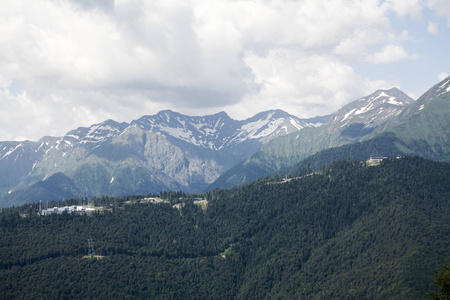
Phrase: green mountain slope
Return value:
(350, 232)
(427, 133)
(421, 128)
(57, 187)
(384, 145)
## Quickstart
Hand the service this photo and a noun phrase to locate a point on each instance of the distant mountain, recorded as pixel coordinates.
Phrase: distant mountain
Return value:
(357, 121)
(422, 129)
(419, 128)
(425, 125)
(166, 151)
(370, 111)
(171, 151)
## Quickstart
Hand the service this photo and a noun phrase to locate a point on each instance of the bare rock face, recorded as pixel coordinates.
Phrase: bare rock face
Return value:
(159, 152)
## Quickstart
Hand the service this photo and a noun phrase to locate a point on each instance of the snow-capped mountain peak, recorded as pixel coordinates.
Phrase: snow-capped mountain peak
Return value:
(374, 108)
(95, 134)
(219, 131)
(438, 90)
(267, 125)
(444, 86)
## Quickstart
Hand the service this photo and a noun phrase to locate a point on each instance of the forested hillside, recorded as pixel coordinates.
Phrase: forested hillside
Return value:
(350, 231)
(384, 145)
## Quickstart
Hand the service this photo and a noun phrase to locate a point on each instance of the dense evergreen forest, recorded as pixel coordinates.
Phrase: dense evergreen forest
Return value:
(384, 145)
(350, 231)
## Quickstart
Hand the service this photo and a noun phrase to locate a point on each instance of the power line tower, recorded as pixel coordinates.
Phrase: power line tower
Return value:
(91, 251)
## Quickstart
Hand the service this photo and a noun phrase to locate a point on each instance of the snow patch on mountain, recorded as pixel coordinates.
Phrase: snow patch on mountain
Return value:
(259, 128)
(347, 115)
(11, 151)
(392, 100)
(181, 133)
(382, 94)
(296, 124)
(444, 87)
(374, 108)
(364, 109)
(446, 84)
(219, 131)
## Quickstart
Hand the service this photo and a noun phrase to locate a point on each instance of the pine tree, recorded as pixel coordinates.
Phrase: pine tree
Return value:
(442, 279)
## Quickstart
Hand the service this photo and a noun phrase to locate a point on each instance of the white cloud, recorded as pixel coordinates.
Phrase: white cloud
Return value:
(20, 111)
(403, 8)
(441, 8)
(433, 27)
(390, 54)
(414, 8)
(307, 85)
(442, 75)
(79, 62)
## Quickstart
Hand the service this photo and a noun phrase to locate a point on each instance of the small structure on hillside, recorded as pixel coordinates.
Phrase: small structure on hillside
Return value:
(203, 203)
(69, 209)
(375, 159)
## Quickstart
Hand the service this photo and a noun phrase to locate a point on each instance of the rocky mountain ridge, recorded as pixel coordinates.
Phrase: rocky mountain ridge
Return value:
(416, 128)
(373, 109)
(170, 150)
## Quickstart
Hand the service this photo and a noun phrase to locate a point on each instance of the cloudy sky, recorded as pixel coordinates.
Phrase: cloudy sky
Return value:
(71, 63)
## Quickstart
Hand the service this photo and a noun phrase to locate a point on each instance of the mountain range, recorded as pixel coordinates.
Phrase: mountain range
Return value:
(166, 151)
(385, 123)
(171, 151)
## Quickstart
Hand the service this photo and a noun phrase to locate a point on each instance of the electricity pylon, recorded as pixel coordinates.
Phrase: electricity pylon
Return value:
(91, 251)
